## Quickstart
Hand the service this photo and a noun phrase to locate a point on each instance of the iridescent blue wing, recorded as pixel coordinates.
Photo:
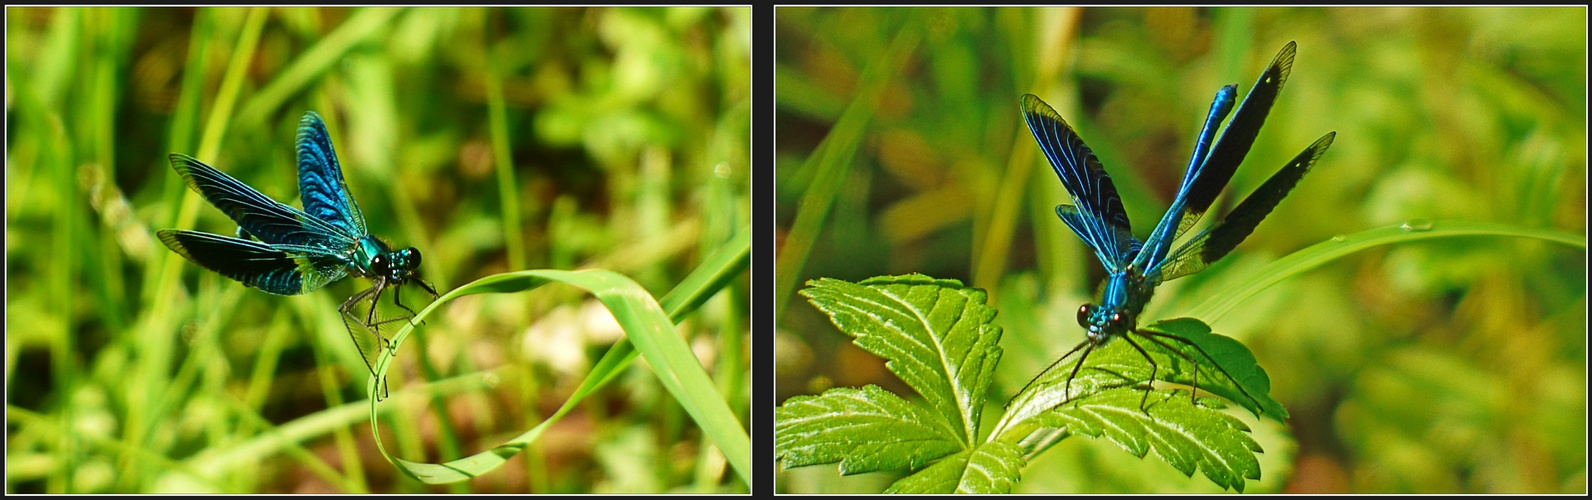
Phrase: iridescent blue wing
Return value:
(1160, 240)
(254, 263)
(1216, 241)
(1206, 182)
(258, 215)
(1096, 213)
(1237, 138)
(321, 183)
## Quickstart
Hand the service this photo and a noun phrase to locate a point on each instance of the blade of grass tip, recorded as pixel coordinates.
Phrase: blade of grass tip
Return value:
(715, 272)
(832, 158)
(729, 261)
(731, 374)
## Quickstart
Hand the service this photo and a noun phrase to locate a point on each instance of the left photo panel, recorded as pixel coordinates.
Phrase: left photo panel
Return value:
(378, 250)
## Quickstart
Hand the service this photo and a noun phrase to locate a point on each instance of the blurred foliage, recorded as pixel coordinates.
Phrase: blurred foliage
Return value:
(491, 139)
(1455, 365)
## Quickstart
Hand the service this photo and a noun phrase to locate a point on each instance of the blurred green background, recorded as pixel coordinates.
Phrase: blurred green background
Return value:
(1451, 365)
(491, 139)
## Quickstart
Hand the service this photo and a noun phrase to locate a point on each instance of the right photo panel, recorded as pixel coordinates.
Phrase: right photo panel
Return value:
(1180, 250)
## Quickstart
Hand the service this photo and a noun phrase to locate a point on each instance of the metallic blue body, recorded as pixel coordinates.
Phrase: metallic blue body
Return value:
(1133, 267)
(287, 251)
(298, 251)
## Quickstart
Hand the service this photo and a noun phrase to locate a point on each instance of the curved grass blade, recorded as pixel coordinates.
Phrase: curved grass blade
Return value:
(644, 323)
(1321, 253)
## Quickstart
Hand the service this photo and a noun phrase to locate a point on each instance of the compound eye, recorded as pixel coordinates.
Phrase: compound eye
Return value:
(379, 264)
(1083, 315)
(1116, 318)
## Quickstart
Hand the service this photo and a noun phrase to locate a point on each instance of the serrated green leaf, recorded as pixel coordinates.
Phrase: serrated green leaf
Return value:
(1188, 436)
(992, 467)
(866, 430)
(1244, 382)
(1225, 368)
(935, 334)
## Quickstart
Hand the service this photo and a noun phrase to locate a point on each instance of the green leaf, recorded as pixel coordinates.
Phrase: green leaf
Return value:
(1239, 378)
(992, 467)
(1109, 399)
(866, 430)
(1224, 367)
(936, 335)
(1185, 435)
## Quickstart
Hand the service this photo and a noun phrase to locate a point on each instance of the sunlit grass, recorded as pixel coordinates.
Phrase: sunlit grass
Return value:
(494, 140)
